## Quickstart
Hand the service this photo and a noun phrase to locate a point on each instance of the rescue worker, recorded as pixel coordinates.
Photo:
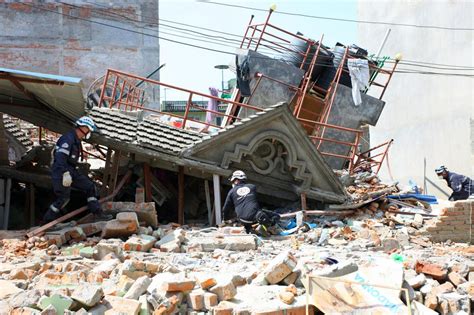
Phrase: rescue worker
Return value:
(64, 173)
(461, 185)
(243, 198)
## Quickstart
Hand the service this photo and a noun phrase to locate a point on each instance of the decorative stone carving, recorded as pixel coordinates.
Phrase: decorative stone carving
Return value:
(266, 152)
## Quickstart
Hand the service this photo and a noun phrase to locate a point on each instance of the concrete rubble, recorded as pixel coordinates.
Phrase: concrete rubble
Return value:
(371, 258)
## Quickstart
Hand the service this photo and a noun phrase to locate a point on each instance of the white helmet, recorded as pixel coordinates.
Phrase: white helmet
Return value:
(87, 122)
(238, 175)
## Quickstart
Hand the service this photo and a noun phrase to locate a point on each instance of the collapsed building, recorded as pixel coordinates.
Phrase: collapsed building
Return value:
(291, 119)
(294, 124)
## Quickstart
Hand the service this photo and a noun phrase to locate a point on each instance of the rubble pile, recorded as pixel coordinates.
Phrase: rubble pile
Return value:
(171, 269)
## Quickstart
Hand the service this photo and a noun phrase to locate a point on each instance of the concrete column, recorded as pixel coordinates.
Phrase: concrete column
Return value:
(217, 197)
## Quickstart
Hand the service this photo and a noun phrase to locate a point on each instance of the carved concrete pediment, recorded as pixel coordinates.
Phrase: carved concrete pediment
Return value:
(275, 152)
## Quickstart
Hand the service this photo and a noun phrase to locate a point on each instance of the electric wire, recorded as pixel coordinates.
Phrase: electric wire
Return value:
(408, 71)
(390, 60)
(340, 19)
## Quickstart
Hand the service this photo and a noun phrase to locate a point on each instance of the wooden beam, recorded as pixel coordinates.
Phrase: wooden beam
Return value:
(71, 214)
(208, 201)
(32, 198)
(147, 182)
(6, 217)
(318, 213)
(115, 169)
(181, 195)
(217, 197)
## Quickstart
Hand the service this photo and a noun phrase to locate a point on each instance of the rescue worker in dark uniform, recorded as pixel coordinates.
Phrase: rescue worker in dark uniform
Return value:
(461, 185)
(64, 173)
(243, 198)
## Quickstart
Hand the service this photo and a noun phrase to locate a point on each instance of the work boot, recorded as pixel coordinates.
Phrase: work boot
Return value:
(51, 215)
(101, 216)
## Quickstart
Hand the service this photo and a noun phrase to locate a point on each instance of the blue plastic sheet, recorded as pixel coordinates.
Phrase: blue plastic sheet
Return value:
(426, 198)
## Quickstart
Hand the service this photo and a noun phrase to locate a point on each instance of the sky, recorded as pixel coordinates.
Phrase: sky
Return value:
(193, 68)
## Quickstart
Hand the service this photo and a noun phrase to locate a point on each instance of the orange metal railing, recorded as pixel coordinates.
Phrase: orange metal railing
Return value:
(374, 157)
(116, 80)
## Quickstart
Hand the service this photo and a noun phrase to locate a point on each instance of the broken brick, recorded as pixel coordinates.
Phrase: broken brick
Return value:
(437, 272)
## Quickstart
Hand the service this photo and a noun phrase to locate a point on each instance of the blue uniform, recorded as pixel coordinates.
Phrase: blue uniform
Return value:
(461, 185)
(66, 158)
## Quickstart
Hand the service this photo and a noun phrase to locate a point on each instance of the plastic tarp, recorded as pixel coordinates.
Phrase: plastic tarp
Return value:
(426, 198)
(359, 71)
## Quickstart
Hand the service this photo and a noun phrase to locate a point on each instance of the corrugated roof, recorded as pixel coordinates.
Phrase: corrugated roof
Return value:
(61, 94)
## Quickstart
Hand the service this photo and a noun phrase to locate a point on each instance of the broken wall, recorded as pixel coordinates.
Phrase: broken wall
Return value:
(41, 37)
(269, 92)
(455, 223)
(344, 113)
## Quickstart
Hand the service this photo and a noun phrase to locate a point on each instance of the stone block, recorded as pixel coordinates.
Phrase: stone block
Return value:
(28, 298)
(454, 303)
(20, 274)
(210, 300)
(59, 302)
(279, 268)
(466, 288)
(456, 278)
(225, 290)
(139, 195)
(238, 280)
(118, 306)
(431, 301)
(196, 300)
(177, 235)
(420, 309)
(286, 297)
(106, 247)
(227, 242)
(171, 247)
(138, 288)
(437, 272)
(7, 289)
(88, 294)
(140, 243)
(418, 281)
(443, 288)
(25, 311)
(125, 224)
(106, 267)
(222, 310)
(291, 278)
(136, 269)
(145, 211)
(171, 282)
(205, 281)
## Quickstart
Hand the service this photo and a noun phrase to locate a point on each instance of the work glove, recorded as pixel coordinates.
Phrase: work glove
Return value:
(67, 179)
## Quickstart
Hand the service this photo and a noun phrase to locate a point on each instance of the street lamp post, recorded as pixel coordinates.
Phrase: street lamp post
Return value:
(222, 68)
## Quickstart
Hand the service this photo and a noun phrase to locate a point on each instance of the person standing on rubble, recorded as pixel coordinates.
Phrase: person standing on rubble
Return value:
(64, 173)
(462, 186)
(243, 198)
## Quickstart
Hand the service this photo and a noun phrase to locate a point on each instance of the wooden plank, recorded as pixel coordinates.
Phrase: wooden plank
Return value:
(71, 214)
(6, 217)
(32, 199)
(181, 195)
(147, 182)
(106, 177)
(217, 198)
(114, 171)
(208, 201)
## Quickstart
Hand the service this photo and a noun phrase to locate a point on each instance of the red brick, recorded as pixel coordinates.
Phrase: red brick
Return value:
(437, 272)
